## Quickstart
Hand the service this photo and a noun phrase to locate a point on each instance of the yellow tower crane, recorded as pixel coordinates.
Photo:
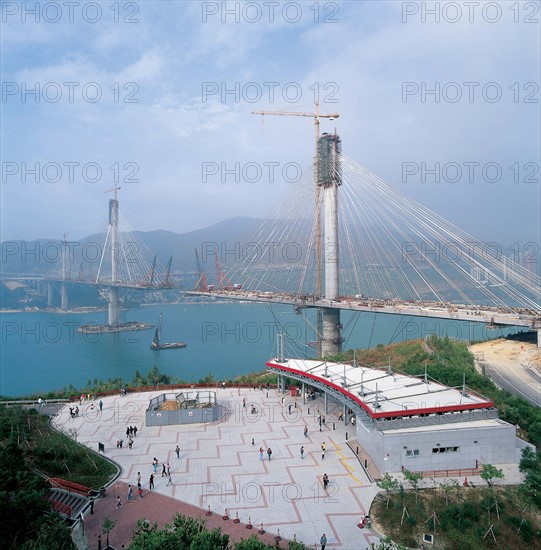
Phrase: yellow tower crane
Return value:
(316, 116)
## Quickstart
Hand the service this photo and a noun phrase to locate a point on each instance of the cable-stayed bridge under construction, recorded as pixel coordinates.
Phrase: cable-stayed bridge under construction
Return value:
(346, 240)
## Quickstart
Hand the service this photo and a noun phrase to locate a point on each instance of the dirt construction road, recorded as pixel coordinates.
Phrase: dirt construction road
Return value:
(513, 365)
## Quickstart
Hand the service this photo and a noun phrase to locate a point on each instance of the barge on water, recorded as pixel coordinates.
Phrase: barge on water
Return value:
(156, 345)
(122, 327)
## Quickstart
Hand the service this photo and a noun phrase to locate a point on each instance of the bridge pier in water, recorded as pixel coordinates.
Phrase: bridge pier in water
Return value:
(49, 295)
(63, 296)
(331, 343)
(113, 309)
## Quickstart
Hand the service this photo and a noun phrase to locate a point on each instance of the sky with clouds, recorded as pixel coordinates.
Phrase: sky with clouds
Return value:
(157, 97)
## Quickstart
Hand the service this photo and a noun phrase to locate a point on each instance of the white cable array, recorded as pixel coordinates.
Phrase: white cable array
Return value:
(390, 247)
(134, 260)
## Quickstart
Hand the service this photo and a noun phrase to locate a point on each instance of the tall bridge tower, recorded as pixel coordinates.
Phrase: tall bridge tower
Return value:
(64, 284)
(330, 146)
(329, 179)
(113, 309)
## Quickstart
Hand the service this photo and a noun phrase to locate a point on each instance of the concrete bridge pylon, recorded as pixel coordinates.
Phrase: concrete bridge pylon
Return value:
(329, 179)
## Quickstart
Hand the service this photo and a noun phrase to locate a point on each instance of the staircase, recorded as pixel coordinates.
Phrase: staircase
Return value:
(67, 503)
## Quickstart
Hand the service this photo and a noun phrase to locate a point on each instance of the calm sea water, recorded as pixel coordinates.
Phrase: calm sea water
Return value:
(43, 351)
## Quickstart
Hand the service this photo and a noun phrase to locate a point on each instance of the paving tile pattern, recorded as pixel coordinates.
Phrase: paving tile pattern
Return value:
(219, 466)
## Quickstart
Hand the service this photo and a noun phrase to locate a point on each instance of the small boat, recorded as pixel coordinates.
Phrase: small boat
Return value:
(155, 345)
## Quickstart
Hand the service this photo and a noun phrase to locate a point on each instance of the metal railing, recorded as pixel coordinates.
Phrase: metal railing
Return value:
(70, 486)
(459, 472)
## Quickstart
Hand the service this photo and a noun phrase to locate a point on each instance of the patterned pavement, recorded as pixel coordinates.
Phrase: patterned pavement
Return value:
(220, 466)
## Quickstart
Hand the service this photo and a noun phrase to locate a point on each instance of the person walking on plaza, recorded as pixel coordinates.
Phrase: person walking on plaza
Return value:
(138, 478)
(140, 491)
(323, 449)
(260, 453)
(151, 482)
(130, 492)
(118, 502)
(177, 450)
(168, 469)
(164, 471)
(325, 481)
(169, 480)
(155, 464)
(323, 541)
(101, 405)
(306, 431)
(269, 453)
(302, 451)
(135, 431)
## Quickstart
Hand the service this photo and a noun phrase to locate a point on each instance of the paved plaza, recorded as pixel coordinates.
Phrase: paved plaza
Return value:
(220, 466)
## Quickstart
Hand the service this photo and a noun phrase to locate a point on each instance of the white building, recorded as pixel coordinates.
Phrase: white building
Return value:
(407, 422)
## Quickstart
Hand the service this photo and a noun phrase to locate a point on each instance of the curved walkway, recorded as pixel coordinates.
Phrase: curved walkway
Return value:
(220, 467)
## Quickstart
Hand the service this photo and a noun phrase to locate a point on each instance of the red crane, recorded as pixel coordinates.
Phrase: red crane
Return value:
(201, 284)
(222, 281)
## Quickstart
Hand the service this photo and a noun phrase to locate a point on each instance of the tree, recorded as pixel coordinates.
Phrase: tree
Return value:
(533, 486)
(534, 432)
(387, 544)
(208, 379)
(413, 478)
(184, 534)
(53, 533)
(529, 466)
(528, 460)
(187, 528)
(138, 379)
(149, 537)
(447, 486)
(489, 472)
(294, 545)
(210, 540)
(388, 484)
(253, 543)
(107, 526)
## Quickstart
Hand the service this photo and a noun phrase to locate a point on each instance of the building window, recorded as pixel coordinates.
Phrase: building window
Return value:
(414, 452)
(436, 450)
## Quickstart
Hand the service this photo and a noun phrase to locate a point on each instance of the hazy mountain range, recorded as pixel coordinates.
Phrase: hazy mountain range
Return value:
(42, 256)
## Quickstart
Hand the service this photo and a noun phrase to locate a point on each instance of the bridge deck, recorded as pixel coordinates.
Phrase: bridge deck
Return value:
(480, 314)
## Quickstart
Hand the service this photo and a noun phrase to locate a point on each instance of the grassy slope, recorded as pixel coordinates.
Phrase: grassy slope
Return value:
(51, 452)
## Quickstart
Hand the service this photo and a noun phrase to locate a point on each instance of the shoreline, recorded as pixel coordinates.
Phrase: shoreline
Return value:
(102, 309)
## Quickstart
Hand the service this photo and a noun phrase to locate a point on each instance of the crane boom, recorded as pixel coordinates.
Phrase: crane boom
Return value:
(294, 113)
(116, 189)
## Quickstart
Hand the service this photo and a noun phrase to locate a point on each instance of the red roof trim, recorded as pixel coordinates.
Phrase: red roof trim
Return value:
(388, 414)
